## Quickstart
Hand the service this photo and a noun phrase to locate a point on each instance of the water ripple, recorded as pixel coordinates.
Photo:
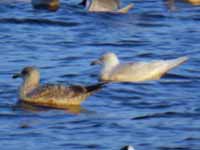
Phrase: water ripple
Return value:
(37, 22)
(157, 115)
(167, 115)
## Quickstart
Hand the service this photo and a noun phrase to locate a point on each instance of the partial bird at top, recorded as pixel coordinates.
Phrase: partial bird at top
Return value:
(171, 3)
(194, 2)
(112, 6)
(51, 5)
(114, 71)
(57, 96)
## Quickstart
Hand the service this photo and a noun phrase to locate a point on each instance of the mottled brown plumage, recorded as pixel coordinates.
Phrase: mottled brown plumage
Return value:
(51, 5)
(51, 95)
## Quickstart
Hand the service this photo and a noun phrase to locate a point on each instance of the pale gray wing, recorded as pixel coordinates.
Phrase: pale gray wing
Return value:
(136, 72)
(130, 69)
(145, 70)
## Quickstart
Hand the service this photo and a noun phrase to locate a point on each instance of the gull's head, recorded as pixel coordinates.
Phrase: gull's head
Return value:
(29, 72)
(128, 147)
(107, 59)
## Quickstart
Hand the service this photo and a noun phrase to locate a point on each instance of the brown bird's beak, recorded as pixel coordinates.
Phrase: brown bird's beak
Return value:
(17, 75)
(96, 62)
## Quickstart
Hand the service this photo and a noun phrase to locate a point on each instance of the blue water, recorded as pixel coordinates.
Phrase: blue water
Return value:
(157, 115)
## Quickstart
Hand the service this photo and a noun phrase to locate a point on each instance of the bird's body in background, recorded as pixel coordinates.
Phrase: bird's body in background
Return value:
(51, 5)
(112, 6)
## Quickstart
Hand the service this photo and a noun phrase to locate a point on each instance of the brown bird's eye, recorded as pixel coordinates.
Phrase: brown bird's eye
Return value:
(25, 72)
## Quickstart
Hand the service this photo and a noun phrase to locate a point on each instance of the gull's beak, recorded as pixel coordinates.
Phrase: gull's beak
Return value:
(96, 62)
(17, 75)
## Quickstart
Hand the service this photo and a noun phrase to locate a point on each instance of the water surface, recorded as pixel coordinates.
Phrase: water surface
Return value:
(157, 115)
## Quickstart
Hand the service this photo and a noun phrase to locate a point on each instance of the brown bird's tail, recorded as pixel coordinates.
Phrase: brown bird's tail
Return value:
(95, 87)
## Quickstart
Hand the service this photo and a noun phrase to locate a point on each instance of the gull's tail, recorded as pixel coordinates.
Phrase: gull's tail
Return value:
(166, 65)
(176, 62)
(125, 9)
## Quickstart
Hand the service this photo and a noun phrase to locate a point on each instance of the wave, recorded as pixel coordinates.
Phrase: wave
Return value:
(37, 22)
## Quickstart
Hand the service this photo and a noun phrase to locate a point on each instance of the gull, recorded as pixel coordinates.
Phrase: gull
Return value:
(128, 147)
(114, 71)
(51, 5)
(50, 95)
(105, 6)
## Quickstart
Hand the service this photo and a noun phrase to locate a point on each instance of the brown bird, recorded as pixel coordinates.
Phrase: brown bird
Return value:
(51, 5)
(57, 96)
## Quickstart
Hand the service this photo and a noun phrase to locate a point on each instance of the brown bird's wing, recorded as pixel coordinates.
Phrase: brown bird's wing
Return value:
(57, 92)
(59, 96)
(95, 87)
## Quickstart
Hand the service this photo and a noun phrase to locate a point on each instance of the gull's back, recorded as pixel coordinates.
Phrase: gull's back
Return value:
(142, 71)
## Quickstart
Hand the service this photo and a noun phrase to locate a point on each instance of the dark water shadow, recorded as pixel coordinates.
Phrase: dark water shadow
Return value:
(75, 110)
(174, 148)
(170, 114)
(40, 21)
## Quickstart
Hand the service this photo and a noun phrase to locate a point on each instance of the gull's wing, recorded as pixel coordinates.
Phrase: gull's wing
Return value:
(142, 71)
(104, 5)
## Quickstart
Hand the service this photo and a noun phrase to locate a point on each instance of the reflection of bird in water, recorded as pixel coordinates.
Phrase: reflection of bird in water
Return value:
(31, 108)
(114, 71)
(51, 5)
(57, 96)
(105, 6)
